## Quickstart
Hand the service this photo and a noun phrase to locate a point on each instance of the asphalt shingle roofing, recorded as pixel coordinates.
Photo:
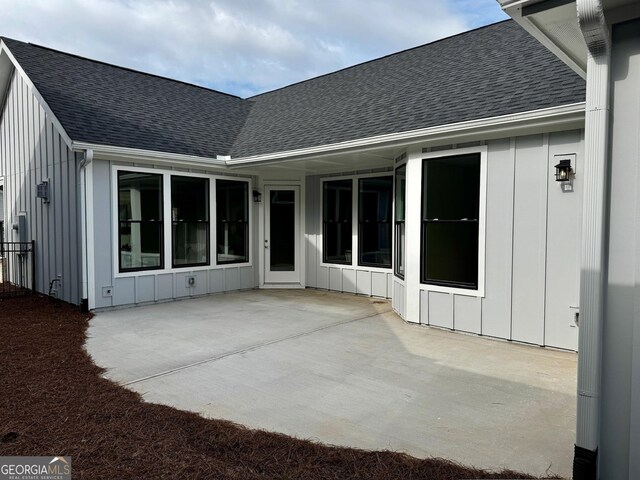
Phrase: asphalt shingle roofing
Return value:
(107, 105)
(495, 70)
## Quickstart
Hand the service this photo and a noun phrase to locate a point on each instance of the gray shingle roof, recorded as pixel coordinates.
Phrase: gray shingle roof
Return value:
(108, 105)
(495, 70)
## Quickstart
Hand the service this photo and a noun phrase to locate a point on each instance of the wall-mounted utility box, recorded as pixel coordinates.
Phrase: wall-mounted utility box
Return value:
(20, 227)
(190, 281)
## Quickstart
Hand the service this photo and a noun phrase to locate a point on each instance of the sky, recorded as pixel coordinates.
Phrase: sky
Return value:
(241, 47)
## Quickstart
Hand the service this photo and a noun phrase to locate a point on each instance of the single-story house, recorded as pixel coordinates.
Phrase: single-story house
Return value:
(461, 179)
(426, 177)
(600, 40)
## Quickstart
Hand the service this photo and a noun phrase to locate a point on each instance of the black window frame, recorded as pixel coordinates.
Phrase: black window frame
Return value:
(326, 223)
(399, 225)
(221, 222)
(362, 222)
(206, 222)
(424, 279)
(122, 269)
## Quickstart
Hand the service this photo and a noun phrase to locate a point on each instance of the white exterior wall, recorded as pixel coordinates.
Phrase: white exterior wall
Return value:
(32, 149)
(150, 286)
(619, 442)
(531, 251)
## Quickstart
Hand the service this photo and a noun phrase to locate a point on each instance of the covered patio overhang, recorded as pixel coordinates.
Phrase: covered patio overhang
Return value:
(380, 151)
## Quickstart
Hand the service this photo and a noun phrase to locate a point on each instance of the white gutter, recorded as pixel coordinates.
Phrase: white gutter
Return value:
(137, 154)
(593, 265)
(88, 158)
(534, 118)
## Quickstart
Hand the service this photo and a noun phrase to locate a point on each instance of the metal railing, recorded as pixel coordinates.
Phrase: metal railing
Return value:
(17, 268)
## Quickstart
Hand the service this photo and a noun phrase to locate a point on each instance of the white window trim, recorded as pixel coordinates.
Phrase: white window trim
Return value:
(397, 165)
(166, 199)
(482, 224)
(354, 223)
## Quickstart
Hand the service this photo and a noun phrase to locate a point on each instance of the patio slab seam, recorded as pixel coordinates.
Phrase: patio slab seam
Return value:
(249, 349)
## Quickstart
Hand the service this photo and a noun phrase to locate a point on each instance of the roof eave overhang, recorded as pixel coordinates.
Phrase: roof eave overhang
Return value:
(534, 15)
(116, 153)
(547, 119)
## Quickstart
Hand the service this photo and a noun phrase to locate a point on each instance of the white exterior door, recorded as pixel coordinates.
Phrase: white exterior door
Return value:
(282, 235)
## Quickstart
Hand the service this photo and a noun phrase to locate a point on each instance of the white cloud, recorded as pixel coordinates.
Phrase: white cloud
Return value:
(239, 46)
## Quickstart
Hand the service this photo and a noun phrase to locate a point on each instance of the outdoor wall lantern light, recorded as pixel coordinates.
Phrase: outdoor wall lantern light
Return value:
(563, 171)
(257, 196)
(42, 191)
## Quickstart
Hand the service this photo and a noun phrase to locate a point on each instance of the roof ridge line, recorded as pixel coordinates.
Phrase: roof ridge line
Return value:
(382, 57)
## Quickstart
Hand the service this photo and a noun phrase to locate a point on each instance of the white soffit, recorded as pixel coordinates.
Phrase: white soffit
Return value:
(555, 24)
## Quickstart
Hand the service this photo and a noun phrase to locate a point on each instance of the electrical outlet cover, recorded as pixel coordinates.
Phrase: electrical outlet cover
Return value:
(107, 291)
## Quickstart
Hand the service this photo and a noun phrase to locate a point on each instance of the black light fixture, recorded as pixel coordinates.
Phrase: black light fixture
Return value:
(563, 171)
(257, 196)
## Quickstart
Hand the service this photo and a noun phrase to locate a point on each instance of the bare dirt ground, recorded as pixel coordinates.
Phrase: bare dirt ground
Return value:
(53, 401)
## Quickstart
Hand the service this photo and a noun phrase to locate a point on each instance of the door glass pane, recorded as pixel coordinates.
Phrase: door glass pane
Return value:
(282, 230)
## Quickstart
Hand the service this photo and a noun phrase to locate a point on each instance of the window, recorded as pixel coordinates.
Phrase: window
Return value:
(450, 211)
(189, 221)
(374, 221)
(400, 189)
(140, 225)
(232, 209)
(336, 230)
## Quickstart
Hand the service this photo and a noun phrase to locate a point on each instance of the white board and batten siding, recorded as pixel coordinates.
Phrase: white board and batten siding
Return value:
(111, 290)
(33, 149)
(532, 248)
(375, 282)
(531, 251)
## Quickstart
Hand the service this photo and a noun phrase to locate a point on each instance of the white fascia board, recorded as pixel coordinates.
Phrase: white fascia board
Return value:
(147, 156)
(488, 126)
(36, 93)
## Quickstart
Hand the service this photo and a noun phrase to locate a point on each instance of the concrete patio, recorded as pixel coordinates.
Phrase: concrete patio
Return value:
(346, 370)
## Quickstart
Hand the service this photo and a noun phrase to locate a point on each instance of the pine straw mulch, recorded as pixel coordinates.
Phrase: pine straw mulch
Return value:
(53, 401)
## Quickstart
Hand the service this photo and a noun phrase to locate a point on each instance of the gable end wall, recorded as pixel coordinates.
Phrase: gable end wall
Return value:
(32, 149)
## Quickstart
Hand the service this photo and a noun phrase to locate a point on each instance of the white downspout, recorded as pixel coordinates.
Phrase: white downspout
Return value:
(593, 265)
(88, 158)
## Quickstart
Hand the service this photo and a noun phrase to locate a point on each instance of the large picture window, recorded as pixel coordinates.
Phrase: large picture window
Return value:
(450, 219)
(399, 228)
(337, 199)
(374, 221)
(140, 223)
(232, 219)
(189, 221)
